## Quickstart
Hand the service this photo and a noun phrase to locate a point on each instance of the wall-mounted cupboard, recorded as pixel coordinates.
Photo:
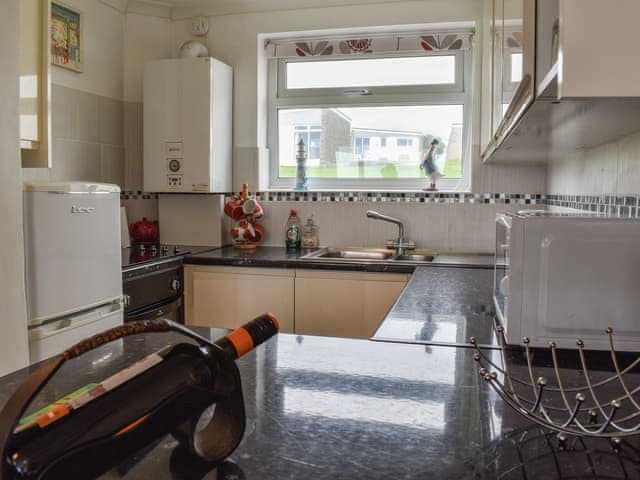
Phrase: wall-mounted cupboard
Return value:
(35, 83)
(561, 75)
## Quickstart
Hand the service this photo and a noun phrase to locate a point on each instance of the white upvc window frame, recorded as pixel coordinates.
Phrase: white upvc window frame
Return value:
(458, 93)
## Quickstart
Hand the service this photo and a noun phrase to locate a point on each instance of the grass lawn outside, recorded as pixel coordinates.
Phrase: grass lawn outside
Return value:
(452, 169)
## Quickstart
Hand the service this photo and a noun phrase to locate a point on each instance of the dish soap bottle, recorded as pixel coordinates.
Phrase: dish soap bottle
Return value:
(310, 234)
(293, 232)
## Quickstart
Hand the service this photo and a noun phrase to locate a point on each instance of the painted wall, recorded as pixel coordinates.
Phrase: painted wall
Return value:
(103, 51)
(611, 169)
(14, 352)
(87, 108)
(147, 37)
(97, 114)
(234, 40)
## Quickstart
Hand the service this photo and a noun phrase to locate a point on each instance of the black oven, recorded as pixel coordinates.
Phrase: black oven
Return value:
(154, 290)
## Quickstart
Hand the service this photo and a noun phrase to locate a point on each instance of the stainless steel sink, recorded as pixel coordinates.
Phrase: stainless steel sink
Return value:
(369, 255)
(414, 257)
(336, 253)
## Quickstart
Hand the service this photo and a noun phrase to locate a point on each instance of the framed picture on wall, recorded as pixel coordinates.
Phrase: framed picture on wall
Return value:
(66, 36)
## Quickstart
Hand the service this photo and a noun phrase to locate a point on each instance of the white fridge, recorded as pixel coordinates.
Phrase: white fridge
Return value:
(72, 263)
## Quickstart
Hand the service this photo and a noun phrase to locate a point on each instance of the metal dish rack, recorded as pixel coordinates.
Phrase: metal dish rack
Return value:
(604, 408)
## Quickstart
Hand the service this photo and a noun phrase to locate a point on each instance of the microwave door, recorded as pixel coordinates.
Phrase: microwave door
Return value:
(501, 266)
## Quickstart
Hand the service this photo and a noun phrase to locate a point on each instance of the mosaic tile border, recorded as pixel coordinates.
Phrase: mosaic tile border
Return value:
(400, 197)
(627, 206)
(138, 195)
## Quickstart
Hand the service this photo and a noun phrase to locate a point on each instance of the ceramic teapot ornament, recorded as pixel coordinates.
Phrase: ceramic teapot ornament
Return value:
(144, 231)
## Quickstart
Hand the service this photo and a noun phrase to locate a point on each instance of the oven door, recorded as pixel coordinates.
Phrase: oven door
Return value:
(501, 266)
(151, 285)
(171, 310)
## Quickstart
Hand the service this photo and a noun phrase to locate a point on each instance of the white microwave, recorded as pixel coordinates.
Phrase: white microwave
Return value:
(564, 277)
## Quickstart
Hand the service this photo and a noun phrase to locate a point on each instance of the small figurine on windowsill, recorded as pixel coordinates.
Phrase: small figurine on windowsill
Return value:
(301, 170)
(430, 168)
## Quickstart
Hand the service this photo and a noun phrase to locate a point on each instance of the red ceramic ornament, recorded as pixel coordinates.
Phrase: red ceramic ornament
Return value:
(144, 231)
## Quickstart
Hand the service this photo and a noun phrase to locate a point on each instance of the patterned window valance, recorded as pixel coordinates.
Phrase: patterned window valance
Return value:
(428, 42)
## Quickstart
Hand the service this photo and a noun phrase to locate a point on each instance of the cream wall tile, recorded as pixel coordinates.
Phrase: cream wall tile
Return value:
(133, 169)
(227, 224)
(63, 108)
(90, 162)
(600, 174)
(473, 230)
(85, 125)
(442, 227)
(77, 161)
(340, 224)
(110, 121)
(467, 226)
(113, 165)
(611, 169)
(629, 165)
(274, 221)
(88, 138)
(140, 208)
(133, 127)
(428, 225)
(60, 159)
(190, 219)
(565, 176)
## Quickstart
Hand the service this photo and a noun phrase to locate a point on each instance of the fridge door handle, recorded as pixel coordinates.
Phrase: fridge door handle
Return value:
(65, 324)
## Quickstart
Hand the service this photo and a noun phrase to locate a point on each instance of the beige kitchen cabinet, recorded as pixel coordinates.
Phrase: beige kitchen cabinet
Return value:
(344, 304)
(228, 297)
(35, 83)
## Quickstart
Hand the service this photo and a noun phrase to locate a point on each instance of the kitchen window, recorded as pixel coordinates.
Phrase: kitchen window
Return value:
(367, 110)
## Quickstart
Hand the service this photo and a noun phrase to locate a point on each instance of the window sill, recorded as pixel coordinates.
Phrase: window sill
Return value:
(363, 190)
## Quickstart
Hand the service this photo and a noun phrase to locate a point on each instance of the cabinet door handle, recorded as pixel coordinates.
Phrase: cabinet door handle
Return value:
(356, 91)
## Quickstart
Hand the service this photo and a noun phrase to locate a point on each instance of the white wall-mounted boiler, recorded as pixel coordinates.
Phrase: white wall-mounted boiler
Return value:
(187, 125)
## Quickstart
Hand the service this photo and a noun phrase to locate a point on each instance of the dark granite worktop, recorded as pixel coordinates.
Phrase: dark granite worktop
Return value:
(443, 306)
(327, 408)
(280, 257)
(444, 303)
